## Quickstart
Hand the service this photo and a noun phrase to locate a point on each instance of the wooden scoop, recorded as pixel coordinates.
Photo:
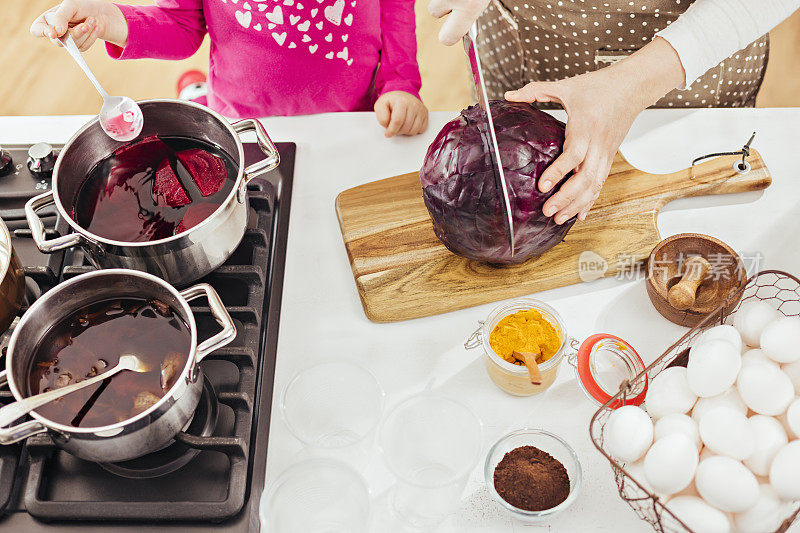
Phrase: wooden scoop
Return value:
(682, 294)
(533, 368)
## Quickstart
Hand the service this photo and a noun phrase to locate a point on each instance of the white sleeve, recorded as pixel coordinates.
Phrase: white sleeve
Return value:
(711, 30)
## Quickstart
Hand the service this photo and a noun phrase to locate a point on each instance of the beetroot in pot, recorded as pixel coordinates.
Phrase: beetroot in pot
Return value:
(461, 191)
(167, 190)
(207, 170)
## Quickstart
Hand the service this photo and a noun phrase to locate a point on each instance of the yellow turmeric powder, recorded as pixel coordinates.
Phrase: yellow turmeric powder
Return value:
(525, 331)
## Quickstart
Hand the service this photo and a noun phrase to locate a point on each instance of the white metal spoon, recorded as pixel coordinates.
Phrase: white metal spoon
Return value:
(120, 117)
(13, 411)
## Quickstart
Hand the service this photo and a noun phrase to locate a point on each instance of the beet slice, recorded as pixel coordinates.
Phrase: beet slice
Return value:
(167, 188)
(148, 149)
(207, 170)
(195, 215)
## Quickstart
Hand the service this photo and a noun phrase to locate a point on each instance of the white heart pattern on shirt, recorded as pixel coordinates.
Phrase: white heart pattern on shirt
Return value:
(342, 54)
(313, 48)
(349, 19)
(244, 18)
(279, 37)
(314, 12)
(306, 38)
(303, 26)
(299, 6)
(318, 25)
(329, 37)
(349, 61)
(246, 6)
(288, 2)
(329, 55)
(353, 3)
(292, 45)
(270, 26)
(334, 13)
(257, 27)
(276, 16)
(344, 38)
(293, 19)
(262, 7)
(235, 1)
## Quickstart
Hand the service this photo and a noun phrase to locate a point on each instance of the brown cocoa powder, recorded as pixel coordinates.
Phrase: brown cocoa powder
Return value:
(531, 479)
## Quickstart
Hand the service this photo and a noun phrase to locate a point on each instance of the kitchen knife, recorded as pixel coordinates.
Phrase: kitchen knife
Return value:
(470, 41)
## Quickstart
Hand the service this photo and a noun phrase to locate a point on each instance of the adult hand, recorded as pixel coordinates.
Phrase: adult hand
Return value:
(461, 14)
(86, 21)
(601, 106)
(401, 113)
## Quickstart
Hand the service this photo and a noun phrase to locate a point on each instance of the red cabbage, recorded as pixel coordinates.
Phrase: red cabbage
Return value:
(461, 190)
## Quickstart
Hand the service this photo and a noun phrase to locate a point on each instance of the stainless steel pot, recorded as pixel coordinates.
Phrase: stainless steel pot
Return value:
(12, 281)
(179, 259)
(147, 431)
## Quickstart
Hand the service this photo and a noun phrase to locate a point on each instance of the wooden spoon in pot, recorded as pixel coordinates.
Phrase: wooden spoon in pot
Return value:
(529, 359)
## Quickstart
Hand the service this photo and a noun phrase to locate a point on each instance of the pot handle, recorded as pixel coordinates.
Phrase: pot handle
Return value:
(219, 313)
(21, 431)
(37, 227)
(264, 142)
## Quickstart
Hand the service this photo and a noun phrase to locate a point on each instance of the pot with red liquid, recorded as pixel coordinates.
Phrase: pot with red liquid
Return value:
(162, 221)
(79, 329)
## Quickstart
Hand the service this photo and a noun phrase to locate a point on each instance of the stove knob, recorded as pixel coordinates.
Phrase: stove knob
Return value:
(6, 163)
(41, 160)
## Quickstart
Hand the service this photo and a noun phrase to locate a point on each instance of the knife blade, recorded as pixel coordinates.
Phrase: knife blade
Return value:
(470, 41)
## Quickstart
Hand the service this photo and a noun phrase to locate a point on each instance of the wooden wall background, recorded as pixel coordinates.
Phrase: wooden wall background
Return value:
(39, 79)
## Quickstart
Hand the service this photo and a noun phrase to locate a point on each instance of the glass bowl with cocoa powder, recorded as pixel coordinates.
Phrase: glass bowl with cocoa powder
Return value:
(533, 474)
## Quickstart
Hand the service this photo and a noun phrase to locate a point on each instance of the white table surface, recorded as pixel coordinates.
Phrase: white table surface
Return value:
(321, 317)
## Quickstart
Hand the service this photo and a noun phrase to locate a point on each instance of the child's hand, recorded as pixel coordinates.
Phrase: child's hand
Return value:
(401, 113)
(86, 20)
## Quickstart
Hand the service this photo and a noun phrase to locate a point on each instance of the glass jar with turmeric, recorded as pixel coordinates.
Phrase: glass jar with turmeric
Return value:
(521, 331)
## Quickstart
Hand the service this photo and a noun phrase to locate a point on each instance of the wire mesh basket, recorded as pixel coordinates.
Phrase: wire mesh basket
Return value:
(777, 288)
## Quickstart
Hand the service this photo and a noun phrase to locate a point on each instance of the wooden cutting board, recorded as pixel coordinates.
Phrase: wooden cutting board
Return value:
(403, 271)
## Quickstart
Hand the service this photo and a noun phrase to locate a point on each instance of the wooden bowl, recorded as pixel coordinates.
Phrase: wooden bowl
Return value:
(664, 269)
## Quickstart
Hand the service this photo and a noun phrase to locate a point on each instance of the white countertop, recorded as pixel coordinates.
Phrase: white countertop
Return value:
(322, 318)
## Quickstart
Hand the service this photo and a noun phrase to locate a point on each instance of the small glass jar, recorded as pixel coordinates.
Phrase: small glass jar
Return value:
(603, 363)
(515, 379)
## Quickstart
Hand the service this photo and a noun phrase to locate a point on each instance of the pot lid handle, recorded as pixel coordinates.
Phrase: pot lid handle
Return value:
(604, 363)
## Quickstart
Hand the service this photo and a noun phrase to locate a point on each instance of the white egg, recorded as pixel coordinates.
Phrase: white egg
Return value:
(670, 463)
(727, 432)
(669, 393)
(793, 371)
(766, 515)
(765, 389)
(756, 356)
(677, 423)
(698, 515)
(780, 340)
(769, 438)
(791, 418)
(751, 319)
(629, 433)
(636, 471)
(713, 367)
(784, 473)
(722, 332)
(729, 398)
(726, 484)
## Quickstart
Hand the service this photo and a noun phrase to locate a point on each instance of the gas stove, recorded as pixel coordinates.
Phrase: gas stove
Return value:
(212, 475)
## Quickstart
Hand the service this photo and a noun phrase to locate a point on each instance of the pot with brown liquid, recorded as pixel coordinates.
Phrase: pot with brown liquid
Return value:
(79, 329)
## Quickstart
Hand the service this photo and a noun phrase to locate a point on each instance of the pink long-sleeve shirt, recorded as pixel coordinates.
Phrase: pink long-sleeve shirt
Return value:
(284, 57)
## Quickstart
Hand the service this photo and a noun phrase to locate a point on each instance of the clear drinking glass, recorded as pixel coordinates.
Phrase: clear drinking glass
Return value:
(430, 443)
(334, 408)
(316, 496)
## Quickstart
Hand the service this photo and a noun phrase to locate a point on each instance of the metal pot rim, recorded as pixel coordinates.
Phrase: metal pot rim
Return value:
(190, 360)
(5, 237)
(97, 238)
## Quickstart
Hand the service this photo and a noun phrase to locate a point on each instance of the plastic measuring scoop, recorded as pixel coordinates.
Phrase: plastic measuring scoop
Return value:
(120, 117)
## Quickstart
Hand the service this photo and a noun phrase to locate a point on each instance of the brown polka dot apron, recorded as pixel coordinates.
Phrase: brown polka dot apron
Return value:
(548, 40)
